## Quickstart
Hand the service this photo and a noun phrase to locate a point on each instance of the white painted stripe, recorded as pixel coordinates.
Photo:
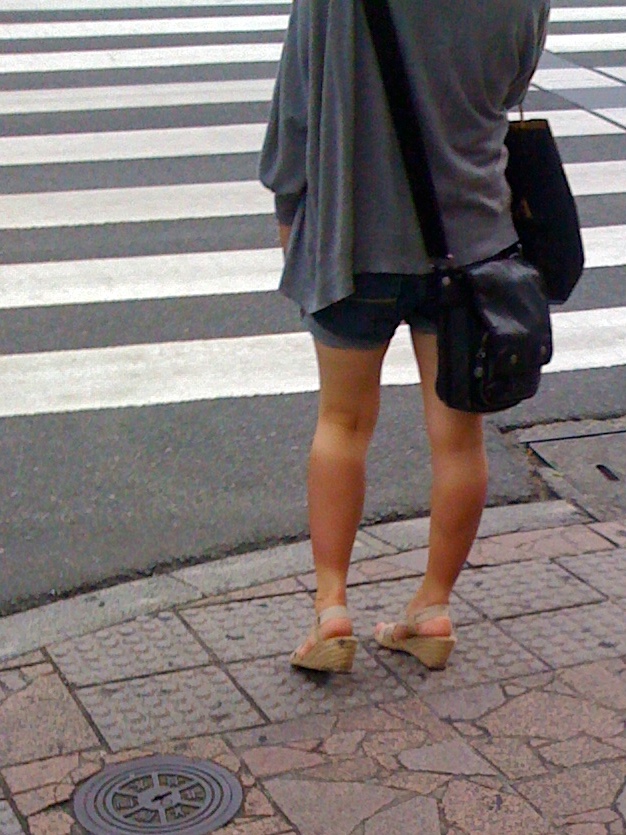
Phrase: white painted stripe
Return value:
(605, 246)
(160, 26)
(117, 59)
(135, 95)
(134, 144)
(176, 372)
(102, 280)
(617, 114)
(572, 122)
(588, 13)
(90, 5)
(597, 177)
(134, 205)
(597, 42)
(571, 78)
(143, 277)
(616, 72)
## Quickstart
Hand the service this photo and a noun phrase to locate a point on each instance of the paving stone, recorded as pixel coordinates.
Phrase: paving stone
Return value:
(539, 544)
(406, 535)
(620, 804)
(451, 757)
(575, 790)
(253, 628)
(417, 815)
(9, 824)
(615, 531)
(579, 751)
(289, 585)
(512, 757)
(53, 822)
(418, 783)
(181, 704)
(396, 566)
(38, 717)
(317, 808)
(144, 646)
(552, 716)
(587, 829)
(466, 703)
(359, 769)
(603, 682)
(266, 826)
(316, 727)
(572, 636)
(36, 657)
(475, 808)
(345, 743)
(605, 572)
(483, 653)
(521, 588)
(270, 760)
(283, 692)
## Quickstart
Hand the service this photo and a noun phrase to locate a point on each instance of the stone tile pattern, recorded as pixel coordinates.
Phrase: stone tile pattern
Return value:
(605, 572)
(146, 645)
(9, 824)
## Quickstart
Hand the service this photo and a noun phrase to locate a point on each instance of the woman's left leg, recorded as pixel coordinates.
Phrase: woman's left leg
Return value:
(348, 411)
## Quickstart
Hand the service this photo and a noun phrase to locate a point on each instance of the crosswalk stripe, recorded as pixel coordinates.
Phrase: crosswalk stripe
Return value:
(207, 200)
(108, 280)
(574, 122)
(140, 375)
(135, 95)
(134, 205)
(98, 5)
(142, 277)
(118, 59)
(573, 14)
(596, 42)
(135, 144)
(160, 26)
(571, 78)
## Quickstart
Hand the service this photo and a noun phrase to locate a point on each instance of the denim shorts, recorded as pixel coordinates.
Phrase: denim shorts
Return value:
(369, 317)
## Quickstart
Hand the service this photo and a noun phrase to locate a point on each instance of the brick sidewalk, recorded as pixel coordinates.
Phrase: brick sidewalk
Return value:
(524, 732)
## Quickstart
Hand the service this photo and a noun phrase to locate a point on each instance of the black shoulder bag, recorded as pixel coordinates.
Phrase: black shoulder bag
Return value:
(494, 330)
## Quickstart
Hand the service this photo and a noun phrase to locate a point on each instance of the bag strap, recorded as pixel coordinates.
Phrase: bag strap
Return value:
(404, 113)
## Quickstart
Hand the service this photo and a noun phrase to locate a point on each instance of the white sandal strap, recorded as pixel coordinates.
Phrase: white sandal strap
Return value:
(439, 610)
(332, 612)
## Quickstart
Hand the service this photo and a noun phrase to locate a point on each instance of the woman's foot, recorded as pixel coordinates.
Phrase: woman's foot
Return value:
(330, 645)
(425, 633)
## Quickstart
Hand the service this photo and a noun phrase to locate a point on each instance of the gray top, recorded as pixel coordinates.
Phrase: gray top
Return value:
(331, 156)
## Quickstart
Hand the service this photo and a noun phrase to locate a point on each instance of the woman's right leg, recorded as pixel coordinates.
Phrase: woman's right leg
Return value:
(459, 469)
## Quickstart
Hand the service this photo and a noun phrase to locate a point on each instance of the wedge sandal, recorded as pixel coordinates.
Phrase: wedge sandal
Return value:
(432, 651)
(331, 655)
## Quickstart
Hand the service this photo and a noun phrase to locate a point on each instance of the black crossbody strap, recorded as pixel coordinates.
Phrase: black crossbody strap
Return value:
(403, 111)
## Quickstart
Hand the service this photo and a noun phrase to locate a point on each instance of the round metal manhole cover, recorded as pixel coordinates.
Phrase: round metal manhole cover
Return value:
(158, 795)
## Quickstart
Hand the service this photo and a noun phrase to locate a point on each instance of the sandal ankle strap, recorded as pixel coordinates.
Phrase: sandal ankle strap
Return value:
(332, 612)
(439, 610)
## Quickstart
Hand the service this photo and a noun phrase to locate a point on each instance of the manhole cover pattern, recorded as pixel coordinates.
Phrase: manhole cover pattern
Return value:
(158, 794)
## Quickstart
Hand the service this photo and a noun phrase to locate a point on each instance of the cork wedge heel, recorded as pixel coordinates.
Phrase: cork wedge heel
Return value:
(331, 655)
(432, 651)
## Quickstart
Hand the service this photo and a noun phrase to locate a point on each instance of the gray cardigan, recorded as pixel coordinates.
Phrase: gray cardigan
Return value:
(330, 154)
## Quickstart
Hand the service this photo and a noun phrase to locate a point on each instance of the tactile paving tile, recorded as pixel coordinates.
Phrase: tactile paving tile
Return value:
(253, 628)
(387, 601)
(188, 703)
(483, 653)
(144, 646)
(9, 824)
(283, 692)
(572, 636)
(522, 588)
(605, 572)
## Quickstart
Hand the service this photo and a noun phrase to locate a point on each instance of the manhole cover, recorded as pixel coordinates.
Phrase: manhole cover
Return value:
(158, 794)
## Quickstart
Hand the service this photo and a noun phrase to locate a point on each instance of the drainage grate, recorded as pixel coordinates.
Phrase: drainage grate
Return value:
(158, 795)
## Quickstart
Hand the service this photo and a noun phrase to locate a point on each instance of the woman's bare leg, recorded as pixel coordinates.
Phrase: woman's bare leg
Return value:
(459, 466)
(348, 411)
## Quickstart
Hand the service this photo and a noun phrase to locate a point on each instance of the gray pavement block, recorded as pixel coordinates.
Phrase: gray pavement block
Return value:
(9, 824)
(605, 571)
(483, 653)
(253, 628)
(77, 616)
(177, 705)
(283, 692)
(522, 588)
(147, 645)
(572, 636)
